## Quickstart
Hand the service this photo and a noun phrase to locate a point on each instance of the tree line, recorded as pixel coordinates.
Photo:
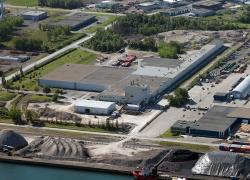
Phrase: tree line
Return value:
(157, 23)
(65, 4)
(106, 41)
(8, 24)
(165, 50)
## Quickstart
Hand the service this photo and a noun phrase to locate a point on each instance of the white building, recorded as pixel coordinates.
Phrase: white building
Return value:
(94, 107)
(242, 90)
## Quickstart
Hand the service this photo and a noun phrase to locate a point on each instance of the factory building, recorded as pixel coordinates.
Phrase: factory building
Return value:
(34, 15)
(152, 78)
(218, 122)
(242, 90)
(94, 107)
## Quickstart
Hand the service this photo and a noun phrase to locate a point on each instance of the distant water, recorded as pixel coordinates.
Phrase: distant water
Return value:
(25, 172)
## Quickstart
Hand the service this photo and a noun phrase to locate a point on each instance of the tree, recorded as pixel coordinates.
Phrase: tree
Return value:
(3, 81)
(169, 50)
(106, 41)
(46, 90)
(180, 97)
(21, 71)
(31, 116)
(55, 97)
(16, 115)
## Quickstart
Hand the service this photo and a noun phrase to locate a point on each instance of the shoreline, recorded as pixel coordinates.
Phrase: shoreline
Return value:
(74, 165)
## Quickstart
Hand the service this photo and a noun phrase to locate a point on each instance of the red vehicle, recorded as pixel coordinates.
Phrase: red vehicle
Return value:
(235, 148)
(139, 176)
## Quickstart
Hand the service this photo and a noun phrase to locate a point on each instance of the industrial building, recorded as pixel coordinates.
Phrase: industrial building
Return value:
(34, 15)
(108, 4)
(177, 11)
(20, 58)
(242, 90)
(76, 21)
(208, 4)
(148, 6)
(94, 107)
(151, 79)
(218, 122)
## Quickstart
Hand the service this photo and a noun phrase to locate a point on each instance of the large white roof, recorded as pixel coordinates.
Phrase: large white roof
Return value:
(94, 104)
(244, 87)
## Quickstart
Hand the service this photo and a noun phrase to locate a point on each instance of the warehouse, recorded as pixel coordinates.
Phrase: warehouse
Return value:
(152, 78)
(94, 107)
(34, 15)
(84, 77)
(219, 122)
(242, 90)
(76, 21)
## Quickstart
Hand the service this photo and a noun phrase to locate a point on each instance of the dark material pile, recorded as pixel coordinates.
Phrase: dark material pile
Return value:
(56, 148)
(12, 140)
(222, 164)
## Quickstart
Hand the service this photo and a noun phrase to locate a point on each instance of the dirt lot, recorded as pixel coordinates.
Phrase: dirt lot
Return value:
(197, 39)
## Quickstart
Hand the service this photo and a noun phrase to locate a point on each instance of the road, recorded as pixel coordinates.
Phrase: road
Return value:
(64, 10)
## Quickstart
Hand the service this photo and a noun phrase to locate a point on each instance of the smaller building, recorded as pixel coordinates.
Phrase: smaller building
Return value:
(242, 90)
(202, 12)
(216, 123)
(148, 6)
(107, 5)
(34, 15)
(94, 107)
(177, 11)
(220, 96)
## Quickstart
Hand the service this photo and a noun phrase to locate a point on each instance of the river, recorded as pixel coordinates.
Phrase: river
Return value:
(26, 172)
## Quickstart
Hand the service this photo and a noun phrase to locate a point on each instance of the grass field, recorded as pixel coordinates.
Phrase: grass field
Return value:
(40, 99)
(169, 134)
(6, 96)
(29, 82)
(23, 2)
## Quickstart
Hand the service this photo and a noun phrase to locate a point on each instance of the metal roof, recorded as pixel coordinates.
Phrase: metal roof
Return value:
(244, 87)
(34, 13)
(216, 119)
(94, 104)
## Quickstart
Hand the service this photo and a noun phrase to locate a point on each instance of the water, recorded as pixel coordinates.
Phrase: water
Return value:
(25, 172)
